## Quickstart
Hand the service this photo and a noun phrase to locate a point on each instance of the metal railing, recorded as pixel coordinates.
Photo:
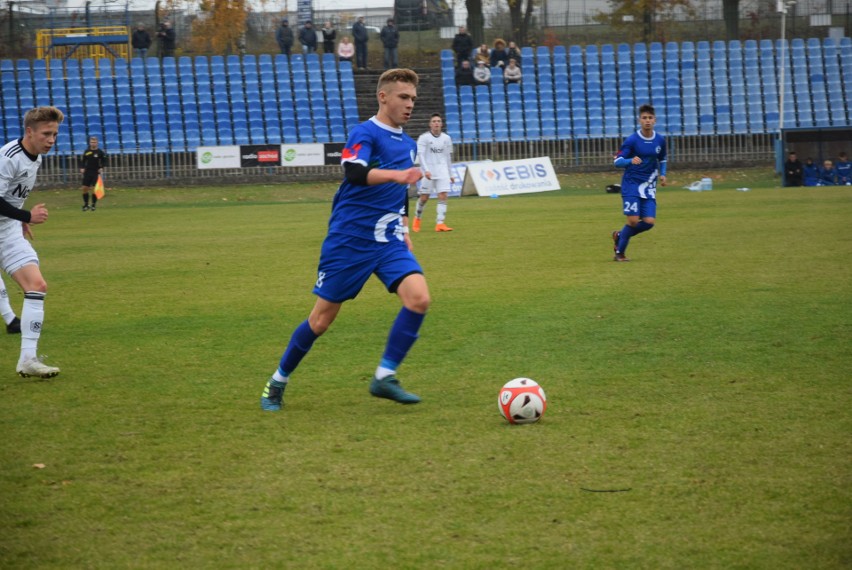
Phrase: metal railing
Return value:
(566, 155)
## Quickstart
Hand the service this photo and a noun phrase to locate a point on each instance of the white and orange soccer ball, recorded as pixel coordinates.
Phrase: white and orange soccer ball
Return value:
(522, 401)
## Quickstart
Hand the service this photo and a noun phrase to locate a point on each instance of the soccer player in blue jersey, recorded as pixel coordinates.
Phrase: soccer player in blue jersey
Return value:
(844, 170)
(643, 158)
(368, 234)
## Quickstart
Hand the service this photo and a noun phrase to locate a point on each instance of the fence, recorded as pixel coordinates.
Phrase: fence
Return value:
(567, 156)
(564, 22)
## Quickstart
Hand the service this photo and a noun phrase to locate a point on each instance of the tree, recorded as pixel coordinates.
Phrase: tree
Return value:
(221, 26)
(626, 14)
(520, 14)
(475, 21)
(731, 14)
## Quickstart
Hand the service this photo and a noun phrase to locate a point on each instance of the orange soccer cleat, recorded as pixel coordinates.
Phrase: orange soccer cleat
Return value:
(443, 228)
(416, 225)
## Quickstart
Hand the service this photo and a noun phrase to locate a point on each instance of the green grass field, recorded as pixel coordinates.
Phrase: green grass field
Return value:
(706, 382)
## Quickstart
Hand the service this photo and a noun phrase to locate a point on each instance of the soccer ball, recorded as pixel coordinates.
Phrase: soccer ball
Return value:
(522, 401)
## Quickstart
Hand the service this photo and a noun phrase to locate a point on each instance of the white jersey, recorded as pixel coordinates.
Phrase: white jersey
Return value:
(18, 170)
(436, 155)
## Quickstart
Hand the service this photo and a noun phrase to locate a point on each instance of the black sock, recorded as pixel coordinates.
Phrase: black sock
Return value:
(85, 198)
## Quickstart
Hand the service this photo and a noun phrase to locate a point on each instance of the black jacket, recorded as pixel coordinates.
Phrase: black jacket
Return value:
(359, 33)
(390, 37)
(463, 45)
(308, 37)
(141, 39)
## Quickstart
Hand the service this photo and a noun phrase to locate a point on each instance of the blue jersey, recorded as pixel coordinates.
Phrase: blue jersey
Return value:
(811, 174)
(374, 212)
(844, 172)
(641, 179)
(827, 177)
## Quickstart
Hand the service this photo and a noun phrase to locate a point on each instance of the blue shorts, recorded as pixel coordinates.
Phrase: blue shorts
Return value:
(642, 207)
(347, 263)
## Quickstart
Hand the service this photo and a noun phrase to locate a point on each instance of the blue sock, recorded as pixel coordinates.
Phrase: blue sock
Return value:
(642, 226)
(624, 236)
(300, 343)
(402, 336)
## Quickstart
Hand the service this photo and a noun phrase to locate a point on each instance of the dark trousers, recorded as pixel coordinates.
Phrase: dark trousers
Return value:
(361, 54)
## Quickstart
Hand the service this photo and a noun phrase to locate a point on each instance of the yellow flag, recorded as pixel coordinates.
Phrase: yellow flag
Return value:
(99, 188)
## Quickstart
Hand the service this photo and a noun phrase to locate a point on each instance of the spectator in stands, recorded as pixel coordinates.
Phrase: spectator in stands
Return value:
(482, 54)
(464, 74)
(462, 46)
(793, 171)
(308, 37)
(499, 56)
(827, 174)
(512, 73)
(810, 172)
(482, 74)
(345, 49)
(513, 51)
(390, 39)
(329, 34)
(368, 233)
(92, 163)
(844, 170)
(141, 41)
(284, 37)
(167, 38)
(359, 34)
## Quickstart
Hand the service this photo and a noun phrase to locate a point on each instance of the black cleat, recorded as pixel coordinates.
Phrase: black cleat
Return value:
(14, 327)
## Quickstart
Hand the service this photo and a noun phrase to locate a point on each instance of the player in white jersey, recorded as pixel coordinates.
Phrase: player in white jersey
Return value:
(435, 149)
(19, 163)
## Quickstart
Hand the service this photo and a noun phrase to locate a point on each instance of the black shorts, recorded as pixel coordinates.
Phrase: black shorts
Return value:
(90, 178)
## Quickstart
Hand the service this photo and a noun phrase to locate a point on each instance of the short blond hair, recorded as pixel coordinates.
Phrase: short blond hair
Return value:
(399, 75)
(43, 115)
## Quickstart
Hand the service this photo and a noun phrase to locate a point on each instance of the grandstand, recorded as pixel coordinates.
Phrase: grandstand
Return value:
(697, 89)
(148, 106)
(155, 112)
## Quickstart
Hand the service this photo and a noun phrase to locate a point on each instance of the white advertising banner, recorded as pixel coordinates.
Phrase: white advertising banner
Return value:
(458, 170)
(303, 154)
(218, 157)
(511, 176)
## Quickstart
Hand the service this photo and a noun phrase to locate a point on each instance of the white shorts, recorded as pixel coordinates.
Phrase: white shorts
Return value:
(16, 252)
(435, 185)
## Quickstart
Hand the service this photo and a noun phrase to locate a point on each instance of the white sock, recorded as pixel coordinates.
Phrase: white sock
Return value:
(32, 319)
(442, 211)
(279, 378)
(382, 372)
(5, 307)
(418, 211)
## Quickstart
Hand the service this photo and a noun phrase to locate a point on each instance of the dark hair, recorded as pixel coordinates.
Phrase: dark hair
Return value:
(436, 115)
(647, 108)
